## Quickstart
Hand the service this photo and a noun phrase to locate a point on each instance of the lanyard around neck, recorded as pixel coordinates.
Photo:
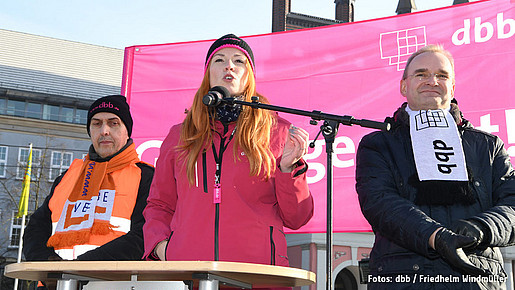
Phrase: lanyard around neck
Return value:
(218, 156)
(217, 196)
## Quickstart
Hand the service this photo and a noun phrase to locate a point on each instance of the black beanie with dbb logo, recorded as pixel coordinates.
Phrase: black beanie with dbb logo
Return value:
(116, 104)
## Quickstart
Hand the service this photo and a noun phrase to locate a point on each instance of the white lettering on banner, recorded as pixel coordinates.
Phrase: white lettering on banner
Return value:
(483, 32)
(478, 30)
(319, 168)
(398, 45)
(348, 149)
(146, 145)
(344, 145)
(486, 126)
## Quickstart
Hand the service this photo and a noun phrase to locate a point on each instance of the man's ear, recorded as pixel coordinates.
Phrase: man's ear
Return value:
(403, 88)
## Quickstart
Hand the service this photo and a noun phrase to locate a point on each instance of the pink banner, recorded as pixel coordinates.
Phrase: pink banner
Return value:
(349, 69)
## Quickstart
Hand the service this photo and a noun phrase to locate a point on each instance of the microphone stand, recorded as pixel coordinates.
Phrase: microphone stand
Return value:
(329, 130)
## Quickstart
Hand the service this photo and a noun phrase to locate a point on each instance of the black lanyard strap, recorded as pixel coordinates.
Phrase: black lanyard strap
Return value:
(219, 156)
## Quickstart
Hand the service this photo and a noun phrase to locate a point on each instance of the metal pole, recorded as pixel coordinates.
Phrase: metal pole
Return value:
(329, 130)
(22, 231)
(329, 236)
(20, 246)
(67, 284)
(208, 285)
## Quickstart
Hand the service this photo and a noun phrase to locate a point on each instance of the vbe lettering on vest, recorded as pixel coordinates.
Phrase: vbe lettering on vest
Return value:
(81, 214)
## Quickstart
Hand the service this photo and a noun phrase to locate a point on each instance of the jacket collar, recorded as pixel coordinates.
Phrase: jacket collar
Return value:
(223, 129)
(401, 117)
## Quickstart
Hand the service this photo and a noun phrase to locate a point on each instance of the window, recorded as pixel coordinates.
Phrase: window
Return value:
(59, 163)
(345, 280)
(33, 110)
(81, 116)
(15, 108)
(2, 106)
(3, 160)
(23, 156)
(20, 108)
(67, 114)
(14, 240)
(51, 112)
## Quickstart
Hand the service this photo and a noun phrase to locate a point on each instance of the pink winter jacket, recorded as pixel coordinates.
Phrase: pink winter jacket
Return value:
(246, 226)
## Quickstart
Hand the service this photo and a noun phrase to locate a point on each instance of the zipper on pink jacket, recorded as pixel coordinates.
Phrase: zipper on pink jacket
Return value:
(272, 246)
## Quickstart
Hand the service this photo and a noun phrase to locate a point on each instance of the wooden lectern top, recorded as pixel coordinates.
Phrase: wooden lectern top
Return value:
(255, 274)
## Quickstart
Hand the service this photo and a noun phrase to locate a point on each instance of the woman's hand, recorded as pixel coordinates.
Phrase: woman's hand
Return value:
(295, 147)
(160, 250)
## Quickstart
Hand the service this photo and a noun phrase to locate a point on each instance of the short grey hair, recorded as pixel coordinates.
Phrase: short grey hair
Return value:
(429, 48)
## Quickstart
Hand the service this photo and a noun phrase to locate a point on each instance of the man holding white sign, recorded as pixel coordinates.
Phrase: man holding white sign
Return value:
(439, 194)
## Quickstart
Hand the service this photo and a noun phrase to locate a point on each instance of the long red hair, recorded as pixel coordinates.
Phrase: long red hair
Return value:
(252, 134)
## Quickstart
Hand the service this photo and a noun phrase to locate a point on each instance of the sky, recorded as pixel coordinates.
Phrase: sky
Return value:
(123, 23)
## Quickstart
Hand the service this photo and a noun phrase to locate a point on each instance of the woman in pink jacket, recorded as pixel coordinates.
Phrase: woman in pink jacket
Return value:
(228, 178)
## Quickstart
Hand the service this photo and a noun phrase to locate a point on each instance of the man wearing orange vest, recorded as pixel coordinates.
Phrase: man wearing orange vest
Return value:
(94, 210)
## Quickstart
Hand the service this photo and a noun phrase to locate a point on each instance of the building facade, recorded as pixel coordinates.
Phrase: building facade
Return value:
(284, 19)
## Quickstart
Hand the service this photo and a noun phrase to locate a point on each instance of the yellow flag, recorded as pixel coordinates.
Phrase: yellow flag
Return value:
(24, 199)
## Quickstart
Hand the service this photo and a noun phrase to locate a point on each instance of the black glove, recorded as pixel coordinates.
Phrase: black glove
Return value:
(449, 245)
(471, 229)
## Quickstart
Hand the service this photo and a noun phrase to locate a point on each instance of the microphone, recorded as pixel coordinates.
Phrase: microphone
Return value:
(215, 95)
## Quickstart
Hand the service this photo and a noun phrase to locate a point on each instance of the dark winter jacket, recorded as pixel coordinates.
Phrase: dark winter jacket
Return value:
(404, 213)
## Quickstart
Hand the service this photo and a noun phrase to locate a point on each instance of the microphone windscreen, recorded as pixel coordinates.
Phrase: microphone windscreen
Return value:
(222, 90)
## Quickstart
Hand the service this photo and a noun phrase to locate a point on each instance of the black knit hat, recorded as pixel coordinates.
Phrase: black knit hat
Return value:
(116, 104)
(230, 40)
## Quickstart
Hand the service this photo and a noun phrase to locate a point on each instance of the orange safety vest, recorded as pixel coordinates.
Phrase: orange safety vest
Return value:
(126, 182)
